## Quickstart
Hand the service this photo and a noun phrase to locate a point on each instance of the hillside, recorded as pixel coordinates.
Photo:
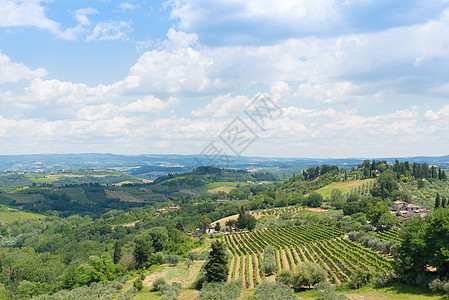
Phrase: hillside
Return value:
(101, 239)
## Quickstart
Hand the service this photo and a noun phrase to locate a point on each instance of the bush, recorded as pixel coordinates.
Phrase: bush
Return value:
(383, 281)
(193, 256)
(171, 292)
(138, 284)
(204, 255)
(220, 291)
(198, 285)
(159, 283)
(269, 261)
(274, 291)
(436, 285)
(326, 291)
(285, 277)
(308, 274)
(172, 259)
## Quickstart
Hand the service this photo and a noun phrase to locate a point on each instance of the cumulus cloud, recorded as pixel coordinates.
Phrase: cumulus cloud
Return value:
(222, 106)
(14, 13)
(183, 70)
(14, 72)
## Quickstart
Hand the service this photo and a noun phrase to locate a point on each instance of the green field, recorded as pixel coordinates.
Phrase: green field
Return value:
(215, 185)
(343, 186)
(9, 215)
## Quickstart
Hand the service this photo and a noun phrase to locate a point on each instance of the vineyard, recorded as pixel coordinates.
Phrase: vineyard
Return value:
(392, 234)
(321, 244)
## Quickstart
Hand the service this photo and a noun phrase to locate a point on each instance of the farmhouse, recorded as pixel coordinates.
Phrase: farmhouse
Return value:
(408, 210)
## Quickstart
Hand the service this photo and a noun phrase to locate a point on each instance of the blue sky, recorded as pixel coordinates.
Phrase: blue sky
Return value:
(353, 78)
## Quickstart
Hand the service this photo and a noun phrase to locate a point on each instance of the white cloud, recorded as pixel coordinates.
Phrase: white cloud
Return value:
(111, 30)
(178, 39)
(265, 22)
(14, 72)
(126, 6)
(179, 71)
(222, 106)
(14, 13)
(81, 15)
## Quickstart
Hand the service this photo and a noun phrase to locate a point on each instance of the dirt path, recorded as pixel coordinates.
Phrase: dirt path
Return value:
(237, 269)
(251, 272)
(231, 267)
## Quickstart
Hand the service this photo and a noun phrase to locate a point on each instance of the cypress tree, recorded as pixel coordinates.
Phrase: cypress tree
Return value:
(217, 266)
(437, 201)
(117, 252)
(444, 202)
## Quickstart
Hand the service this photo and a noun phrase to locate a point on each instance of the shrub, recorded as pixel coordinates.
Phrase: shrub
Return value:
(138, 284)
(159, 283)
(308, 274)
(383, 281)
(326, 291)
(285, 277)
(204, 255)
(274, 291)
(220, 291)
(198, 285)
(173, 259)
(171, 292)
(193, 256)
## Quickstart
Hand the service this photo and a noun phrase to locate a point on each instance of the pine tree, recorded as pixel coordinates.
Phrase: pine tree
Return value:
(117, 252)
(217, 266)
(437, 201)
(180, 226)
(444, 202)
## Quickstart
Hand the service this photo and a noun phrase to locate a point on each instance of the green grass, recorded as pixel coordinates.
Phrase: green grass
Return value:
(395, 292)
(217, 184)
(343, 186)
(9, 215)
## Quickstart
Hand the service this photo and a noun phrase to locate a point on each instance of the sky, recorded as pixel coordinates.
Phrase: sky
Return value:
(348, 78)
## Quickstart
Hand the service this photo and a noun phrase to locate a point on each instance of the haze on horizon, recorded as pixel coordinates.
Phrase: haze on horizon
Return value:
(352, 78)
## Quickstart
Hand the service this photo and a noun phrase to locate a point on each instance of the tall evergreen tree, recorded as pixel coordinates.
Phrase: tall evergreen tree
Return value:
(117, 252)
(437, 201)
(179, 226)
(217, 265)
(444, 202)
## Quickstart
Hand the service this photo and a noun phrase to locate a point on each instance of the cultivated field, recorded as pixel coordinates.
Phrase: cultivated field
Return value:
(340, 257)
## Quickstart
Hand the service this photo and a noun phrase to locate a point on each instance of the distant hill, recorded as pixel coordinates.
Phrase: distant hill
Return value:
(154, 165)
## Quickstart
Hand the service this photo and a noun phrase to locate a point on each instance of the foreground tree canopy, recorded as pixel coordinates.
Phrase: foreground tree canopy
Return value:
(425, 246)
